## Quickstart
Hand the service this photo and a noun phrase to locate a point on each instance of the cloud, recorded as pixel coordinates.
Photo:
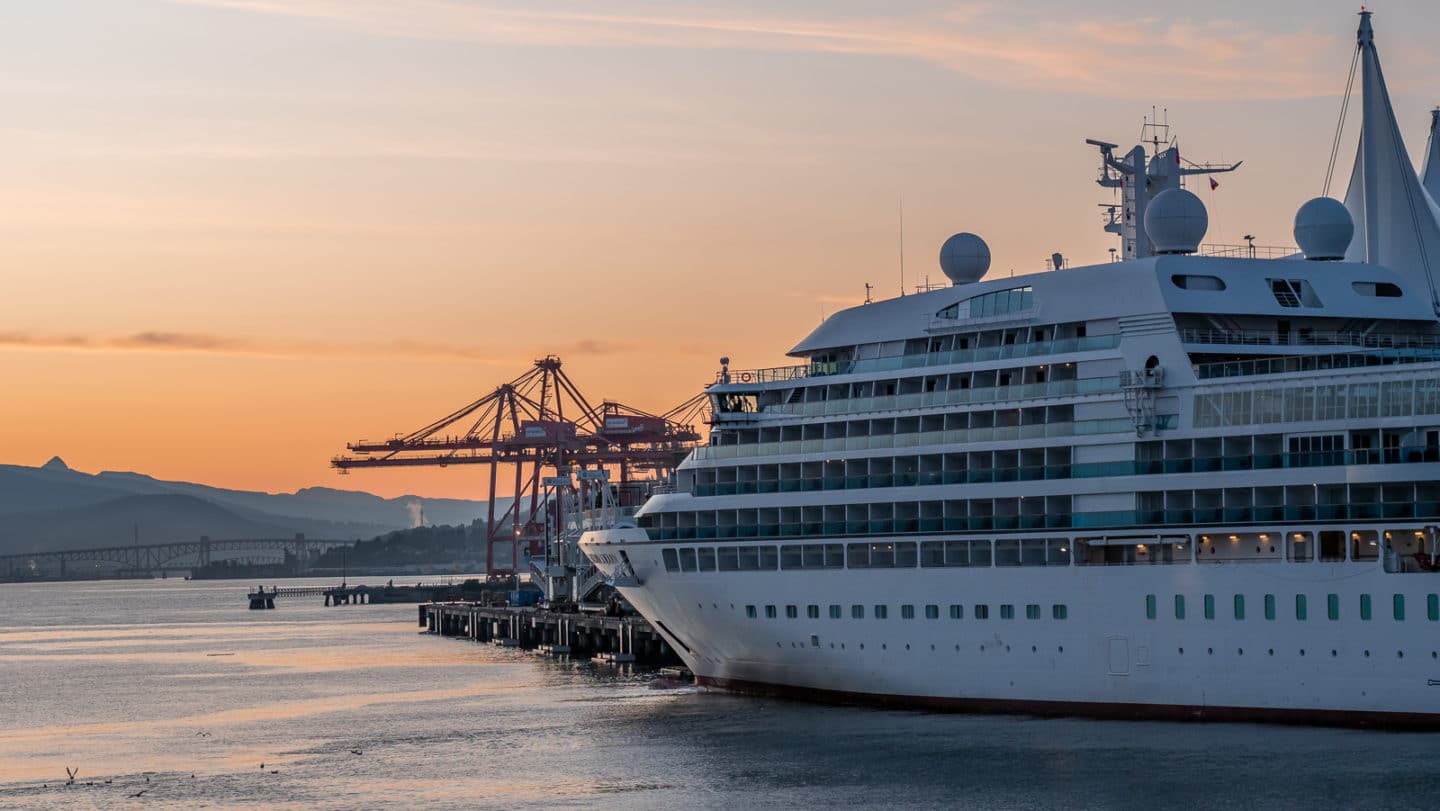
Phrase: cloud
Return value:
(1124, 57)
(161, 341)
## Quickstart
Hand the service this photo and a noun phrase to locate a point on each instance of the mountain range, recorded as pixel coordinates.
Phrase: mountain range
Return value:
(53, 507)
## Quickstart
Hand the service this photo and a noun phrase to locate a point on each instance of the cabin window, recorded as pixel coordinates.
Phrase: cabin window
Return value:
(932, 612)
(1059, 611)
(1032, 611)
(882, 612)
(672, 562)
(1007, 612)
(792, 612)
(834, 612)
(1377, 289)
(857, 612)
(1364, 545)
(707, 559)
(1302, 547)
(1365, 607)
(1399, 607)
(1209, 606)
(982, 611)
(750, 611)
(1432, 607)
(1332, 606)
(729, 561)
(1195, 282)
(1269, 606)
(1149, 606)
(907, 612)
(812, 611)
(1179, 606)
(1239, 606)
(1332, 546)
(687, 560)
(958, 611)
(769, 612)
(1294, 293)
(1301, 612)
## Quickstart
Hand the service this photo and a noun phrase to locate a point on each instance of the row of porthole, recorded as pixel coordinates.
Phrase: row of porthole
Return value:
(1399, 654)
(885, 646)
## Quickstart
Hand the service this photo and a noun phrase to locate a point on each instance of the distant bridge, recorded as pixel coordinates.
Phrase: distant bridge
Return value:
(153, 558)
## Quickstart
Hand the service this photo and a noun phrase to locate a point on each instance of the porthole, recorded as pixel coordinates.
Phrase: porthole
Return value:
(1239, 651)
(1034, 649)
(883, 646)
(1210, 651)
(1271, 651)
(1302, 651)
(1367, 654)
(1334, 652)
(1007, 648)
(862, 646)
(1062, 648)
(907, 647)
(932, 647)
(1399, 654)
(957, 648)
(1182, 651)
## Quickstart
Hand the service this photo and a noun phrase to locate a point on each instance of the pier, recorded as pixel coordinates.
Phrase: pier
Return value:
(613, 640)
(342, 594)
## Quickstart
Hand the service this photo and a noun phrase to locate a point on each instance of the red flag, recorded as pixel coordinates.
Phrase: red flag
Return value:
(1214, 184)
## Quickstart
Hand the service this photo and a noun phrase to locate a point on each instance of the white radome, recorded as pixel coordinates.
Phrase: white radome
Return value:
(1176, 221)
(964, 257)
(1323, 229)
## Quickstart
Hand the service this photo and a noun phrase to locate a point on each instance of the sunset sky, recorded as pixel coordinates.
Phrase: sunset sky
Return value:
(236, 234)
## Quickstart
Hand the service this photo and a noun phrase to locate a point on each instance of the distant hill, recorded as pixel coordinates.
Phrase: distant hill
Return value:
(54, 507)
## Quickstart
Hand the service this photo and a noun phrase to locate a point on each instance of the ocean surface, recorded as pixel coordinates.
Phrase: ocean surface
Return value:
(175, 691)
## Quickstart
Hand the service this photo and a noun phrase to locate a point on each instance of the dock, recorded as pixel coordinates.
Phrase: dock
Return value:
(342, 594)
(600, 638)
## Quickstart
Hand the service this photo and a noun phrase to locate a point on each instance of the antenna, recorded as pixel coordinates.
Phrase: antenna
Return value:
(902, 245)
(868, 288)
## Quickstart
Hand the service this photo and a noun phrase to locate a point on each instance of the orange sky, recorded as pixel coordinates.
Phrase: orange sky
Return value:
(235, 234)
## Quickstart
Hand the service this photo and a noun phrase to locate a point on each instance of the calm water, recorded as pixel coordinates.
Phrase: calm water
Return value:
(178, 683)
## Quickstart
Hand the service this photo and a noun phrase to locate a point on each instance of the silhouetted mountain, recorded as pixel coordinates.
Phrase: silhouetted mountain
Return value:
(77, 503)
(159, 519)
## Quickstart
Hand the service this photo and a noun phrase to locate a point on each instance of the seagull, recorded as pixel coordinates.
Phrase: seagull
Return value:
(274, 771)
(356, 752)
(138, 793)
(71, 774)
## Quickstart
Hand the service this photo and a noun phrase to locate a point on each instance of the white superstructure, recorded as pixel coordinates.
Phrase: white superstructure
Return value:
(1176, 485)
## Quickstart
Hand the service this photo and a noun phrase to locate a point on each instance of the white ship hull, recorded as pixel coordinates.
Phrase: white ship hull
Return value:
(1105, 658)
(1178, 485)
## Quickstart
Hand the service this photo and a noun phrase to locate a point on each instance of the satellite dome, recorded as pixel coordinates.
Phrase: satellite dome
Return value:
(964, 258)
(1176, 221)
(1323, 229)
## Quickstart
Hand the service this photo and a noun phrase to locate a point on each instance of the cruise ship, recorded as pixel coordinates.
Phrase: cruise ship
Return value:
(1182, 484)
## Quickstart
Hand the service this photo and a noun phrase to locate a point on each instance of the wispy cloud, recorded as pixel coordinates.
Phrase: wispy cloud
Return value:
(1123, 56)
(160, 341)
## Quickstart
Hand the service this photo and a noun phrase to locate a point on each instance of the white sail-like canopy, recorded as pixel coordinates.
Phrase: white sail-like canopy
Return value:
(1432, 157)
(1396, 222)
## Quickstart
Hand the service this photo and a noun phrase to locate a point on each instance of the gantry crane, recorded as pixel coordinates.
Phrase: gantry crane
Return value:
(538, 422)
